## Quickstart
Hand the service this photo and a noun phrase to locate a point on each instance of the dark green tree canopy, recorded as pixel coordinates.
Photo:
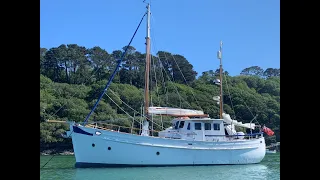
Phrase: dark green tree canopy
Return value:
(72, 78)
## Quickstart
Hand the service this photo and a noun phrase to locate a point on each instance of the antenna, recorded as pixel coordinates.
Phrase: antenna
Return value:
(144, 1)
(220, 83)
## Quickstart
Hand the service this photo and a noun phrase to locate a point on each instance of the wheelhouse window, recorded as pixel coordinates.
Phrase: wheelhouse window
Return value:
(188, 128)
(197, 126)
(181, 124)
(207, 126)
(216, 126)
(176, 126)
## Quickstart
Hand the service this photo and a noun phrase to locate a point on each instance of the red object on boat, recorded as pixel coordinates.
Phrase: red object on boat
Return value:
(268, 131)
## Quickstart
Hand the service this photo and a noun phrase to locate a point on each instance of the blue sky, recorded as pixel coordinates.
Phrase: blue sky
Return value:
(249, 29)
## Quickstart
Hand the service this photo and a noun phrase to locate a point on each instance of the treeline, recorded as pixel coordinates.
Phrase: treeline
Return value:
(72, 78)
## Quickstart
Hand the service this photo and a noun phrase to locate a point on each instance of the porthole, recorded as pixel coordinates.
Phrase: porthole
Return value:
(93, 145)
(109, 148)
(157, 153)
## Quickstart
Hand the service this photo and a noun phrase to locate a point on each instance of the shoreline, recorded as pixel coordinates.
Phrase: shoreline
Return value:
(54, 152)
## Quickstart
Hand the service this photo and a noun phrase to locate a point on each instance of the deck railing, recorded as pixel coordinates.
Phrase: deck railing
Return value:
(121, 129)
(132, 130)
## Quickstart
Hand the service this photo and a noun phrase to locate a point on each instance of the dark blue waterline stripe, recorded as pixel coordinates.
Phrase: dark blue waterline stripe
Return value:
(101, 165)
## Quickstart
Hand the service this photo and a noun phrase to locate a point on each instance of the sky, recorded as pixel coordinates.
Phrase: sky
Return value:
(249, 29)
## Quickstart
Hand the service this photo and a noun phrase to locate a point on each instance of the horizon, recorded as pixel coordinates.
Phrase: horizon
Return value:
(65, 22)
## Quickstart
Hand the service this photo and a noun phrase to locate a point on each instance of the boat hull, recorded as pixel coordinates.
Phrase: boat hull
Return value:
(102, 148)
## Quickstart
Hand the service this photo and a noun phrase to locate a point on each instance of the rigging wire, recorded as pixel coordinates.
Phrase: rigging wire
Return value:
(129, 107)
(186, 81)
(119, 106)
(225, 76)
(154, 42)
(162, 66)
(175, 87)
(108, 84)
(115, 71)
(254, 117)
(172, 81)
(155, 78)
(157, 89)
(86, 81)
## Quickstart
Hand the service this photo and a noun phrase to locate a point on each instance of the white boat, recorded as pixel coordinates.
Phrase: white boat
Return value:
(193, 139)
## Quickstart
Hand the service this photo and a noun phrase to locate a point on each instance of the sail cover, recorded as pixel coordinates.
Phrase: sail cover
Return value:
(227, 119)
(174, 111)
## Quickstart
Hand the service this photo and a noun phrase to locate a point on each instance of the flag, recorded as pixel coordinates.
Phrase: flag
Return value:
(268, 131)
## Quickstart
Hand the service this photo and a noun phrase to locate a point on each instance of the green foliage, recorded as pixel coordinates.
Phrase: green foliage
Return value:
(72, 78)
(253, 70)
(50, 132)
(270, 140)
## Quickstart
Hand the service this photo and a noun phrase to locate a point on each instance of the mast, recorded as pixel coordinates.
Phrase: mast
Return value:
(221, 92)
(146, 86)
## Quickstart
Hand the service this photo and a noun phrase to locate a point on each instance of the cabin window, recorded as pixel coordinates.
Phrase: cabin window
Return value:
(188, 128)
(181, 124)
(176, 126)
(216, 126)
(207, 126)
(197, 126)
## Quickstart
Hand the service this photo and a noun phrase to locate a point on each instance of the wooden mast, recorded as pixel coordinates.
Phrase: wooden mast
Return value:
(147, 69)
(221, 92)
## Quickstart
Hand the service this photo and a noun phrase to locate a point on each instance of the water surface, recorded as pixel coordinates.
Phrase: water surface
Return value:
(62, 168)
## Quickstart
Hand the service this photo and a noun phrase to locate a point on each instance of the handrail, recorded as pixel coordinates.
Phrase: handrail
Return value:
(126, 127)
(253, 134)
(117, 126)
(177, 133)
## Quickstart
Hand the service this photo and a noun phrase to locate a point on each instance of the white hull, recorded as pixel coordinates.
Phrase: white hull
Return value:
(134, 150)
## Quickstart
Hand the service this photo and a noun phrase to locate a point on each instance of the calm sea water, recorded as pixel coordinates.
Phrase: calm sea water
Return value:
(62, 168)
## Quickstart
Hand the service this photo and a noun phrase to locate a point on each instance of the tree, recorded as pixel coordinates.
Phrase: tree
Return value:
(50, 64)
(272, 72)
(178, 67)
(208, 77)
(253, 70)
(217, 72)
(42, 59)
(72, 77)
(101, 62)
(79, 63)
